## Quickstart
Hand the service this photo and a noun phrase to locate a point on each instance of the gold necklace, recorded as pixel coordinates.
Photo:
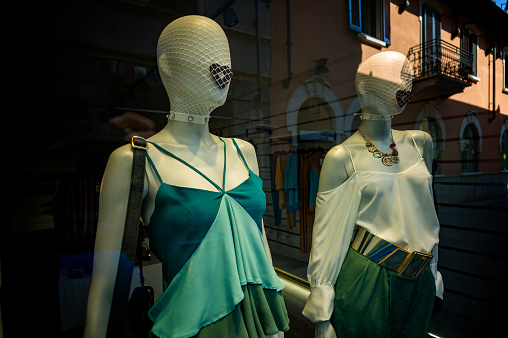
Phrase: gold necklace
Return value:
(386, 158)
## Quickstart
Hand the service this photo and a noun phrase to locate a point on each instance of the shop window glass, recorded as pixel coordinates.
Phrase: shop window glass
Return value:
(470, 147)
(371, 17)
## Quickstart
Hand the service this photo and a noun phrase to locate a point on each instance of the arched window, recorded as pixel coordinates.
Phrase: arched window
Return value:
(429, 119)
(504, 150)
(315, 94)
(431, 126)
(315, 121)
(470, 149)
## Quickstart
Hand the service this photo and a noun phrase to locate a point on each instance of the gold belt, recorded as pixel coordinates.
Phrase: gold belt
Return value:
(408, 265)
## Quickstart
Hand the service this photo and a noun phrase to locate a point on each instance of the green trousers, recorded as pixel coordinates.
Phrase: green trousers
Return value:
(371, 301)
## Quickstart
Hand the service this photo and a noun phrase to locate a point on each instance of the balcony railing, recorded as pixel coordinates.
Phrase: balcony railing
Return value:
(440, 58)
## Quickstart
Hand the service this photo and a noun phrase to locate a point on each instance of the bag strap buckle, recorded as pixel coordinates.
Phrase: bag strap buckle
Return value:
(138, 142)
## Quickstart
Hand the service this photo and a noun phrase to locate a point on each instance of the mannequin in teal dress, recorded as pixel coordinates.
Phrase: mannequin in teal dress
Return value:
(203, 205)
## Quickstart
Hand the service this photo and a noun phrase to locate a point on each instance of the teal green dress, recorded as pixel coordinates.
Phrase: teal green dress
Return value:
(218, 279)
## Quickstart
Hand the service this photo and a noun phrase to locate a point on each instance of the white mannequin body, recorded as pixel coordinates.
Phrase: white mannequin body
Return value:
(376, 87)
(190, 141)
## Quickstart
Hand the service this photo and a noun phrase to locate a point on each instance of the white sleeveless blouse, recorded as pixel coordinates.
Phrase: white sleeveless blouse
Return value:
(398, 207)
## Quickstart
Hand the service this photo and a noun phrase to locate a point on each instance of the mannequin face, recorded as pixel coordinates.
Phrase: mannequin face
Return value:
(383, 84)
(195, 64)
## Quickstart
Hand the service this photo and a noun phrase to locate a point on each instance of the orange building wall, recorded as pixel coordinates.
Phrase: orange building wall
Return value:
(321, 29)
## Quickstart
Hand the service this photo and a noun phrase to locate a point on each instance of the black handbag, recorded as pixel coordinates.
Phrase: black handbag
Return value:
(137, 322)
(129, 315)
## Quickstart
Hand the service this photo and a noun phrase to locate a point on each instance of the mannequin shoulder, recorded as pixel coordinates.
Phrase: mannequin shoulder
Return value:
(246, 148)
(338, 155)
(334, 170)
(121, 155)
(120, 160)
(422, 138)
(249, 153)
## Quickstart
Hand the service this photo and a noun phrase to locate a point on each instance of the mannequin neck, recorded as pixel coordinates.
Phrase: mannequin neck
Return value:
(191, 107)
(377, 130)
(188, 134)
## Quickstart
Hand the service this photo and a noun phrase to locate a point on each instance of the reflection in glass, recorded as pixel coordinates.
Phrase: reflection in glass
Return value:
(469, 153)
(431, 126)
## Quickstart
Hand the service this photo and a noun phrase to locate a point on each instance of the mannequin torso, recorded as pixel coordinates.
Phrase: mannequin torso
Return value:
(337, 166)
(205, 153)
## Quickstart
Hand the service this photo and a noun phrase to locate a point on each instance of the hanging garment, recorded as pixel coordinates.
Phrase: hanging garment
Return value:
(289, 193)
(315, 169)
(309, 180)
(217, 275)
(397, 207)
(304, 193)
(277, 185)
(279, 182)
(291, 182)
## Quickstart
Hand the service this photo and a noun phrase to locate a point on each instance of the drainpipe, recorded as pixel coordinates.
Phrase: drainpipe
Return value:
(289, 43)
(221, 8)
(494, 53)
(258, 50)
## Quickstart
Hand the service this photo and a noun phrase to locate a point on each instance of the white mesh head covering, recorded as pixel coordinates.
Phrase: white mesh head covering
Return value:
(383, 84)
(195, 64)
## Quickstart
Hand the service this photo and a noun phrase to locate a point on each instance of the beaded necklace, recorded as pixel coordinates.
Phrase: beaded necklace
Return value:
(387, 159)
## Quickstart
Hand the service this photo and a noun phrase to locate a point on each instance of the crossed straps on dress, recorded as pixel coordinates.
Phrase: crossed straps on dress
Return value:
(167, 152)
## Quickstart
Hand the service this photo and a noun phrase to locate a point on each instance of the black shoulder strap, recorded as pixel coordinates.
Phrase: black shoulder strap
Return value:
(130, 239)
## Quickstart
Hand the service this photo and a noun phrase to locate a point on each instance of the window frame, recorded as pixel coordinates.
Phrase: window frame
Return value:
(433, 10)
(467, 32)
(505, 70)
(384, 16)
(471, 118)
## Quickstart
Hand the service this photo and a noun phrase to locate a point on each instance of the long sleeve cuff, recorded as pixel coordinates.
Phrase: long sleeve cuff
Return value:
(319, 305)
(439, 284)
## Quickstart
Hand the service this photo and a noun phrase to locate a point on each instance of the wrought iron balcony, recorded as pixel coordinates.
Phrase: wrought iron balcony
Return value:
(440, 68)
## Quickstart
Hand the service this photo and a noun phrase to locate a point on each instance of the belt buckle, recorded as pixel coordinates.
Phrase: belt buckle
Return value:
(416, 264)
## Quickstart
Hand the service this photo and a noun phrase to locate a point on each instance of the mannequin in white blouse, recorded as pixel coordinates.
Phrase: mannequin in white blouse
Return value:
(378, 82)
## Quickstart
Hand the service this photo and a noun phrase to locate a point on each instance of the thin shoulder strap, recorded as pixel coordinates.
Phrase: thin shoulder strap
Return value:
(416, 146)
(240, 153)
(167, 152)
(224, 169)
(351, 156)
(153, 167)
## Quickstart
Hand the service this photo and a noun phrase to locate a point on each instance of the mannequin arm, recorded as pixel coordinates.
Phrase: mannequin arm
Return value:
(112, 210)
(425, 143)
(336, 214)
(324, 330)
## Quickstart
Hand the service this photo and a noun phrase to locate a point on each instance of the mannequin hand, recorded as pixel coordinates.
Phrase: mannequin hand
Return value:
(324, 330)
(133, 124)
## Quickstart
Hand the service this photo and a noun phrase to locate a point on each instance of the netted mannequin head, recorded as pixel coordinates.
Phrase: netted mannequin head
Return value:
(194, 64)
(383, 84)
